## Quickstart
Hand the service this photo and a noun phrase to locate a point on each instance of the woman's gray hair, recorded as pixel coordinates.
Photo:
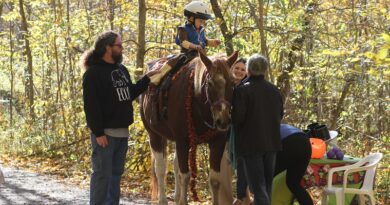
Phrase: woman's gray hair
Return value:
(257, 65)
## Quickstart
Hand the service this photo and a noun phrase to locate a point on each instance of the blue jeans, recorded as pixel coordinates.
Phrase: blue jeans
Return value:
(259, 172)
(108, 166)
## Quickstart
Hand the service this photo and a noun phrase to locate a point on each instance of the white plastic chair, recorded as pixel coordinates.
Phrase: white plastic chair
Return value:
(367, 164)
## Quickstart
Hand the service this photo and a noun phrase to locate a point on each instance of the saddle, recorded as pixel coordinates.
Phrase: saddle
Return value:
(159, 94)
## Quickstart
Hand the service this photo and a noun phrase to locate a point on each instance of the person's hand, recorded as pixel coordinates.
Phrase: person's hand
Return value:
(196, 47)
(102, 141)
(153, 72)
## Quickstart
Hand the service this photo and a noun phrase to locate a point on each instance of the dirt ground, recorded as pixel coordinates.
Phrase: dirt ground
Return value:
(28, 188)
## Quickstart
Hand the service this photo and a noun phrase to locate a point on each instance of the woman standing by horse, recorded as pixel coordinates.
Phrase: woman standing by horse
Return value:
(238, 73)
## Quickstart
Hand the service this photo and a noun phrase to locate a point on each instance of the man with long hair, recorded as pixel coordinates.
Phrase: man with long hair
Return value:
(108, 94)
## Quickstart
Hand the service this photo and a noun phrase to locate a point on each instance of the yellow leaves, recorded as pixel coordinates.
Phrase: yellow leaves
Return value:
(387, 38)
(299, 87)
(353, 60)
(383, 53)
(387, 74)
(218, 21)
(369, 55)
(373, 72)
(335, 53)
(11, 16)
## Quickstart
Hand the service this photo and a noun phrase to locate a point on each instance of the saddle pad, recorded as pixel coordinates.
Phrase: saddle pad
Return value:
(156, 64)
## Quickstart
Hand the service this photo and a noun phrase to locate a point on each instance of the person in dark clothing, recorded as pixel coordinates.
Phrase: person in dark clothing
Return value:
(239, 73)
(107, 94)
(294, 158)
(256, 115)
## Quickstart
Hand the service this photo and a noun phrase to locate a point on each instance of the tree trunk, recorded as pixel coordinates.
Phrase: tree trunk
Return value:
(111, 14)
(141, 38)
(382, 122)
(284, 80)
(59, 100)
(29, 76)
(228, 36)
(12, 74)
(72, 71)
(86, 8)
(1, 10)
(259, 20)
(337, 111)
(263, 40)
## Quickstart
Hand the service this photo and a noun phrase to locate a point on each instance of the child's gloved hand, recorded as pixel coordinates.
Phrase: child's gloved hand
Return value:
(213, 42)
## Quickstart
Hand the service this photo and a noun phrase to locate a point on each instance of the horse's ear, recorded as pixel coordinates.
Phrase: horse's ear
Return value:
(206, 61)
(232, 58)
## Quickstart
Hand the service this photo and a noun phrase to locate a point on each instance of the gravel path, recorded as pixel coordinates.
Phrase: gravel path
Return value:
(23, 187)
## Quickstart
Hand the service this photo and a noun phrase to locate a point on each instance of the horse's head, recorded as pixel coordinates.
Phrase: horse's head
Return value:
(219, 88)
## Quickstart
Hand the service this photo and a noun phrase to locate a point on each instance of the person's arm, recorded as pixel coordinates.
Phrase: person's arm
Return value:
(92, 104)
(141, 85)
(184, 42)
(282, 106)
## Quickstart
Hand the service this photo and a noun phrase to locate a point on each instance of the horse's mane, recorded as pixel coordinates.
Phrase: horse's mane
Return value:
(200, 70)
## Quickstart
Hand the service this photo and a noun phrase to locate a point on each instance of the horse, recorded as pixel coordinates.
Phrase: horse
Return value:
(198, 111)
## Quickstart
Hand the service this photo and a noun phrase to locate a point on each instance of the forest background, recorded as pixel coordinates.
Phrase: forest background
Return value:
(330, 59)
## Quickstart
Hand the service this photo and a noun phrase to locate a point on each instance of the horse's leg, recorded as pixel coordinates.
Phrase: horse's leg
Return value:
(182, 148)
(225, 194)
(158, 145)
(184, 181)
(177, 179)
(153, 183)
(160, 168)
(143, 102)
(217, 147)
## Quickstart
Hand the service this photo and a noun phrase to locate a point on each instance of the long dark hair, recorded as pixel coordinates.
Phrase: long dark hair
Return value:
(94, 54)
(240, 60)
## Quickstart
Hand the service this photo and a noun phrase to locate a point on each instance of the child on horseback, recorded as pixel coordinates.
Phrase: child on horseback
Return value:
(191, 38)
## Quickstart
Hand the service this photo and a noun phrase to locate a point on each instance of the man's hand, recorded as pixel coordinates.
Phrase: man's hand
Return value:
(102, 141)
(153, 72)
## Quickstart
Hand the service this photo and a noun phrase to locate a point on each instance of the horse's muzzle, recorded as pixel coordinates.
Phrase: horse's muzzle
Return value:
(222, 126)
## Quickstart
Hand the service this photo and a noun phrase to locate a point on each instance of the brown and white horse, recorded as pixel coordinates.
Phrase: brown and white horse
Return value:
(198, 112)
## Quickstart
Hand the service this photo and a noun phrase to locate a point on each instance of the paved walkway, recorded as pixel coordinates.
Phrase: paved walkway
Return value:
(23, 187)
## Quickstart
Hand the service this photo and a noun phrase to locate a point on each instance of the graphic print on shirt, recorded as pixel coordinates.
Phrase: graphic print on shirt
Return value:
(120, 82)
